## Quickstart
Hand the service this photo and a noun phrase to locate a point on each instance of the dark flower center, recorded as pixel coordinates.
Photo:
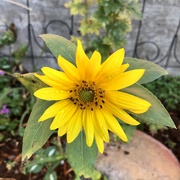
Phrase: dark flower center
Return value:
(87, 95)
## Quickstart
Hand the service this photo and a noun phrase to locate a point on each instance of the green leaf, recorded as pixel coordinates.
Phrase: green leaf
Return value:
(29, 81)
(157, 113)
(50, 176)
(36, 134)
(128, 129)
(60, 46)
(4, 95)
(153, 71)
(81, 157)
(35, 168)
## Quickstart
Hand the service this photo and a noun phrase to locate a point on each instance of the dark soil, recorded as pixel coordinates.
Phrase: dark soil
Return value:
(10, 151)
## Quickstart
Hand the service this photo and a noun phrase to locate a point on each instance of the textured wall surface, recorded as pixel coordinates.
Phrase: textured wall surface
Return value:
(159, 25)
(41, 14)
(160, 21)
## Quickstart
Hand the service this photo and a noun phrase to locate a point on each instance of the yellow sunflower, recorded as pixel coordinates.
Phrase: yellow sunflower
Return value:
(88, 96)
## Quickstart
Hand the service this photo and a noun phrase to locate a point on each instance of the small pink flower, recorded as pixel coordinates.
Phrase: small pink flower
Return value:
(1, 72)
(4, 110)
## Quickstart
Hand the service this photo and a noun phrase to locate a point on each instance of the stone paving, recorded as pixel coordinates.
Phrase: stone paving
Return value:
(143, 158)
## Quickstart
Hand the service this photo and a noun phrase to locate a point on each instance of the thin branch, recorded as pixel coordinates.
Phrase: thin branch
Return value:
(18, 4)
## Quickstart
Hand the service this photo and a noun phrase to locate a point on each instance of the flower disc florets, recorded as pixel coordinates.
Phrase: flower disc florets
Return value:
(87, 95)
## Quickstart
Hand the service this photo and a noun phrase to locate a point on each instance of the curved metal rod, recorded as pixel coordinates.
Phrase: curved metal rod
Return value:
(147, 57)
(58, 22)
(175, 44)
(31, 30)
(168, 53)
(32, 36)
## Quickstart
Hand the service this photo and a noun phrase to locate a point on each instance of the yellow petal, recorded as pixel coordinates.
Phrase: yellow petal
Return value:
(53, 110)
(99, 142)
(69, 69)
(54, 84)
(114, 61)
(64, 115)
(56, 75)
(62, 130)
(81, 60)
(124, 80)
(128, 102)
(109, 76)
(51, 94)
(94, 66)
(100, 124)
(121, 114)
(47, 80)
(88, 126)
(74, 126)
(114, 126)
(123, 68)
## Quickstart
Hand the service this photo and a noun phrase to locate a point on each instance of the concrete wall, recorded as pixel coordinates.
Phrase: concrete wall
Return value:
(160, 20)
(159, 25)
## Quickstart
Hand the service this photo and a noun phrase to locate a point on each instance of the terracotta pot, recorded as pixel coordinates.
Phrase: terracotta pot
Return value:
(144, 158)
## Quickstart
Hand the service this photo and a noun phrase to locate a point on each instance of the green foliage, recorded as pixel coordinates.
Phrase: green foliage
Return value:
(8, 36)
(15, 98)
(60, 46)
(48, 158)
(19, 54)
(31, 141)
(29, 81)
(156, 113)
(81, 157)
(107, 20)
(152, 71)
(153, 128)
(167, 89)
(36, 134)
(78, 7)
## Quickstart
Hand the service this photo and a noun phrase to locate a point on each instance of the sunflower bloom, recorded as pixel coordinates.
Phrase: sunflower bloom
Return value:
(88, 96)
